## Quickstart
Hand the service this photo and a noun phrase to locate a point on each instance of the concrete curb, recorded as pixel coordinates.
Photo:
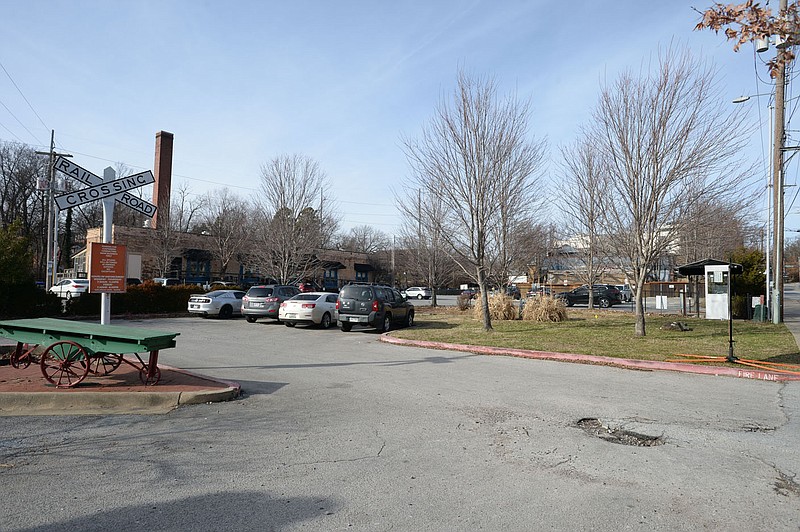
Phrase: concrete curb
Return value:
(646, 365)
(148, 401)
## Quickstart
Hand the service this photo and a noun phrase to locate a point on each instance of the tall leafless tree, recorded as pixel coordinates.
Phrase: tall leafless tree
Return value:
(292, 221)
(224, 218)
(473, 151)
(668, 140)
(167, 240)
(365, 239)
(583, 195)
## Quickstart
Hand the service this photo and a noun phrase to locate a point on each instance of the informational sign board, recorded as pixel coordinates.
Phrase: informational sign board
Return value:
(107, 268)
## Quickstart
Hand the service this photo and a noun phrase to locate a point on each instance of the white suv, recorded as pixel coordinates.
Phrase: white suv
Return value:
(419, 292)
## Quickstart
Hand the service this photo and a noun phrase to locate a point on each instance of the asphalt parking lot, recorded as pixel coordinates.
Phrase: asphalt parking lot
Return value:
(338, 431)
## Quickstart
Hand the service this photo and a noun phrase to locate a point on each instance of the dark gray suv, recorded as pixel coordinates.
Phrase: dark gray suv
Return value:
(264, 301)
(372, 306)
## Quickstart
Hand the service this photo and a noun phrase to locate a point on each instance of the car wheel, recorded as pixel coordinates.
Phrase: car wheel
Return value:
(387, 323)
(410, 319)
(289, 323)
(225, 312)
(419, 296)
(568, 302)
(325, 322)
(251, 319)
(604, 302)
(346, 327)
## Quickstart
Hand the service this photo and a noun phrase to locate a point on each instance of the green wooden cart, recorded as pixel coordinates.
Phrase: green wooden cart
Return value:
(74, 349)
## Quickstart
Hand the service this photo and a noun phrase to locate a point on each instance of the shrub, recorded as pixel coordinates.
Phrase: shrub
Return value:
(26, 300)
(501, 307)
(463, 302)
(146, 298)
(545, 309)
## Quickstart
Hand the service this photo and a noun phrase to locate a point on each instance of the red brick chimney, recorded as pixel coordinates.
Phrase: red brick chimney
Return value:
(163, 175)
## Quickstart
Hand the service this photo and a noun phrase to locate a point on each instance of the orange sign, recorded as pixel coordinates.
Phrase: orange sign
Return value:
(107, 268)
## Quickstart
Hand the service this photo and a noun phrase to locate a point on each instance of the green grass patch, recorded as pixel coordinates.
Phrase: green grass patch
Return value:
(611, 334)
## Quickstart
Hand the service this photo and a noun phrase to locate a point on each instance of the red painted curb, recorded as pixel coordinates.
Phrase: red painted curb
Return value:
(650, 365)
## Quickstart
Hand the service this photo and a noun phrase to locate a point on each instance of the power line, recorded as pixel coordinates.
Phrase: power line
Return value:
(20, 122)
(23, 96)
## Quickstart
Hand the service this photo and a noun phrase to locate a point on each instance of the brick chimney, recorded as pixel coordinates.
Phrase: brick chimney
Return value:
(163, 175)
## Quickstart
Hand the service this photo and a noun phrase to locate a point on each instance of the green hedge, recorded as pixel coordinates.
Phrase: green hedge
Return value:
(147, 298)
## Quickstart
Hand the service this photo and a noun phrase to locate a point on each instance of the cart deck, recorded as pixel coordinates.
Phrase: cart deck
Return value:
(76, 348)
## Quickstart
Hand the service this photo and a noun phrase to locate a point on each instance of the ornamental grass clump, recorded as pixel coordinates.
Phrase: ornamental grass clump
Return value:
(544, 309)
(501, 307)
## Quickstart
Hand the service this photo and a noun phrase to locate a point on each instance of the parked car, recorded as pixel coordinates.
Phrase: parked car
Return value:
(469, 293)
(166, 281)
(605, 295)
(264, 301)
(372, 306)
(625, 292)
(308, 286)
(419, 292)
(221, 303)
(317, 308)
(536, 292)
(69, 288)
(513, 292)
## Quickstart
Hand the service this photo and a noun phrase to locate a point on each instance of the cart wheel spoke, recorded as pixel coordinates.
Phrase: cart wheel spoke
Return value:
(21, 356)
(151, 381)
(64, 364)
(104, 363)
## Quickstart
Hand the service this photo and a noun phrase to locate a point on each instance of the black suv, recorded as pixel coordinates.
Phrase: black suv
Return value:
(605, 295)
(372, 306)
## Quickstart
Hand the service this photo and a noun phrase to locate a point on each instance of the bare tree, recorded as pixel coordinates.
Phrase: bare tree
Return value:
(424, 247)
(469, 156)
(365, 239)
(20, 172)
(167, 239)
(291, 226)
(224, 218)
(583, 194)
(668, 141)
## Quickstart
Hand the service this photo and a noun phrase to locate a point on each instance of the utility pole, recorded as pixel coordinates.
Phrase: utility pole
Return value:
(777, 179)
(52, 240)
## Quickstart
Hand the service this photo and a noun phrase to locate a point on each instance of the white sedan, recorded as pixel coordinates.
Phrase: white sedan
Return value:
(222, 303)
(69, 288)
(317, 308)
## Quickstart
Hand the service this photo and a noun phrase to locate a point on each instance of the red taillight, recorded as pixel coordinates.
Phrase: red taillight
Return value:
(337, 304)
(271, 299)
(375, 306)
(282, 304)
(245, 299)
(309, 305)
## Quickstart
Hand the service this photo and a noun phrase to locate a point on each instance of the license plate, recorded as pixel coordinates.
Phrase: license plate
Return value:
(358, 318)
(257, 305)
(194, 306)
(291, 315)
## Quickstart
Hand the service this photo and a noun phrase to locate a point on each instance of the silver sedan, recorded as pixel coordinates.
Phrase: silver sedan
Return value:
(222, 303)
(318, 308)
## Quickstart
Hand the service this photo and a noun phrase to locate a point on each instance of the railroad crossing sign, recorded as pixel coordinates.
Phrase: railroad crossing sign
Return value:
(99, 189)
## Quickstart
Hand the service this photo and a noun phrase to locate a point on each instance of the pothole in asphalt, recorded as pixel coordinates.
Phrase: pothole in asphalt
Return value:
(596, 428)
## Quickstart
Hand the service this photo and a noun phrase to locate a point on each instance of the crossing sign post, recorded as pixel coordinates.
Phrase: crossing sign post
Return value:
(109, 190)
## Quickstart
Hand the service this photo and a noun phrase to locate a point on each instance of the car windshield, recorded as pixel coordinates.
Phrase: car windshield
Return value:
(359, 293)
(261, 291)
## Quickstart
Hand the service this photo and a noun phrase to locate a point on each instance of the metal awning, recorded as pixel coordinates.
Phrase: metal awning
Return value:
(699, 267)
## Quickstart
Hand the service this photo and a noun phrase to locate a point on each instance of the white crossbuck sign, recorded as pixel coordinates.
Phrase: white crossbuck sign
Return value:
(100, 189)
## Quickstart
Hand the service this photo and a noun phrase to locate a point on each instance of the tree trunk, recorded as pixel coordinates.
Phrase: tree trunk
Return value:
(487, 320)
(640, 329)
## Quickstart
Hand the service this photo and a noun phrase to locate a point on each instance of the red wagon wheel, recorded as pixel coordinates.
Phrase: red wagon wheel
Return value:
(64, 364)
(149, 381)
(21, 356)
(104, 363)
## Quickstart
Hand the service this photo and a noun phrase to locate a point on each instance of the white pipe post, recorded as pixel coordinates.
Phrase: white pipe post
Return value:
(108, 220)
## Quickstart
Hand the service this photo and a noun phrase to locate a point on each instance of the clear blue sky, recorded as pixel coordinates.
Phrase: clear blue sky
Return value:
(239, 83)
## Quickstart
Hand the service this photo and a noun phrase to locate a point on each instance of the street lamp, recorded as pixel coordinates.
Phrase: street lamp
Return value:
(768, 288)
